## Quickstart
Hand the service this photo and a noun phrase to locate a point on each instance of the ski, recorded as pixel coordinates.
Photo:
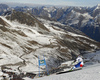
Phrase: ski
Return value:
(68, 71)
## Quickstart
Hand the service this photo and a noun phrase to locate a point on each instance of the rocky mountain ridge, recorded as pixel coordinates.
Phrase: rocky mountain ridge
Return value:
(4, 8)
(86, 19)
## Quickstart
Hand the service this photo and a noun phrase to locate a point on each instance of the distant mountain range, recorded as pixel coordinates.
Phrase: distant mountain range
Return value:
(86, 19)
(3, 8)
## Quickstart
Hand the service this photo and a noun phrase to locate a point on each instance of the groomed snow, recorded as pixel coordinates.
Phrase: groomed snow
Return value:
(89, 72)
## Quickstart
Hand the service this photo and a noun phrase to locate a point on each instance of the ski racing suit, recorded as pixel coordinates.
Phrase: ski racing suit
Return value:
(79, 62)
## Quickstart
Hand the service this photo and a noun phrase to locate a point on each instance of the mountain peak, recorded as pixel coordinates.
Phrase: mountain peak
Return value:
(97, 6)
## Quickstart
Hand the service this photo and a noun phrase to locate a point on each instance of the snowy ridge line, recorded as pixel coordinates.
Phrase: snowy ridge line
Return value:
(48, 25)
(85, 19)
(76, 35)
(7, 21)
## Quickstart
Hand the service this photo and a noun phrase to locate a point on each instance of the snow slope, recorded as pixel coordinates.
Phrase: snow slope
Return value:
(90, 72)
(92, 58)
(85, 19)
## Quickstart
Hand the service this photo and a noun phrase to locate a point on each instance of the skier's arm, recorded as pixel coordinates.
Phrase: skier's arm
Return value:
(74, 60)
(73, 63)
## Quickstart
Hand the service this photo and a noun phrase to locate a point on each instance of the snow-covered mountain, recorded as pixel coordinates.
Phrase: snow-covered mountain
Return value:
(23, 38)
(4, 8)
(86, 19)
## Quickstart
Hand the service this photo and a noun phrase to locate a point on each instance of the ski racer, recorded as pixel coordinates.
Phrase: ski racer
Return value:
(78, 62)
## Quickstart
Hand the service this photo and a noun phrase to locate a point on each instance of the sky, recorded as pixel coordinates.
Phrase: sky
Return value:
(56, 2)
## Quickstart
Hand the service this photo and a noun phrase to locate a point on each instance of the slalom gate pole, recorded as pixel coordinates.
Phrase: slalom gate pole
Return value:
(46, 66)
(39, 67)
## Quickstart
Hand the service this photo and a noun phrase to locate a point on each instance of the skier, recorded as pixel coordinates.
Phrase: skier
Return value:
(79, 62)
